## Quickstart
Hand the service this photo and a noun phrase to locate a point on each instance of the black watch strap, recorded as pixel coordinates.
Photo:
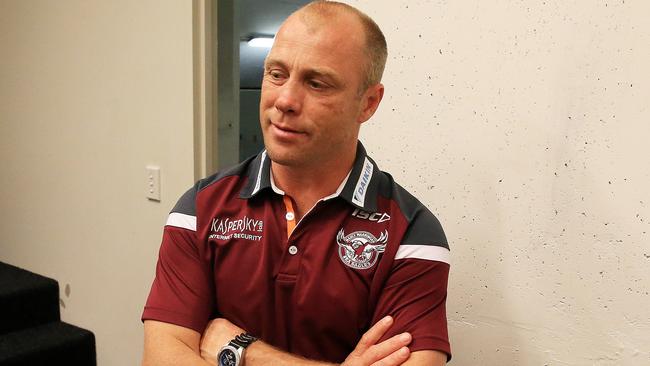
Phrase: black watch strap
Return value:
(244, 340)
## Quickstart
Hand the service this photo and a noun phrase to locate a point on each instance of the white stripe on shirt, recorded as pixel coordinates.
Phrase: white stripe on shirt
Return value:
(182, 220)
(429, 252)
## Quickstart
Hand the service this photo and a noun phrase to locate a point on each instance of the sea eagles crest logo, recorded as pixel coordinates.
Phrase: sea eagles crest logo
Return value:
(360, 249)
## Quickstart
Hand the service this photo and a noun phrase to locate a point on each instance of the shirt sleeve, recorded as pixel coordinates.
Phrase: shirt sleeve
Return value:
(182, 292)
(415, 291)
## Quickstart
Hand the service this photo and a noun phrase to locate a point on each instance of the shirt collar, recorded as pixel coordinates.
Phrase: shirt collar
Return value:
(259, 176)
(362, 187)
(277, 190)
(359, 188)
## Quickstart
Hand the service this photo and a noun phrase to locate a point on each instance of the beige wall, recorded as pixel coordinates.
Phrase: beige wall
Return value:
(524, 125)
(90, 93)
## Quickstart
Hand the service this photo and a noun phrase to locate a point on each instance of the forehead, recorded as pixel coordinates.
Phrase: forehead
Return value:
(336, 43)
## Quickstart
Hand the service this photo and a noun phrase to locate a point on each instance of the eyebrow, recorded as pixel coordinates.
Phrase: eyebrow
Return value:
(273, 62)
(321, 73)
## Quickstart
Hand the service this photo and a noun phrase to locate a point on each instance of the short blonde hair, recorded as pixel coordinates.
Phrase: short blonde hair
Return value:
(376, 50)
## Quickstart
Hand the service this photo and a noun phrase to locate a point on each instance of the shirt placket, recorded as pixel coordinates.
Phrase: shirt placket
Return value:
(291, 258)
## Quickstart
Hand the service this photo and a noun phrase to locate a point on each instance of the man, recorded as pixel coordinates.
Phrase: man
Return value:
(308, 246)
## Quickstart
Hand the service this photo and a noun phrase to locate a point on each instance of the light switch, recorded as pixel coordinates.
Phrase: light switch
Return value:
(153, 183)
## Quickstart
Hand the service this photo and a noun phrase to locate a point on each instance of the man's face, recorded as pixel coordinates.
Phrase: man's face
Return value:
(311, 109)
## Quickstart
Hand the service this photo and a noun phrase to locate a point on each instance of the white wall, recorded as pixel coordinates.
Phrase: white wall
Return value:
(521, 124)
(524, 125)
(90, 93)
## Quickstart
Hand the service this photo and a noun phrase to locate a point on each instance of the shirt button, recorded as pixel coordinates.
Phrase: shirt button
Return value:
(293, 250)
(289, 216)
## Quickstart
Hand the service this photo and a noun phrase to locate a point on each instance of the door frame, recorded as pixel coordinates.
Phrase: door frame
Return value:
(215, 47)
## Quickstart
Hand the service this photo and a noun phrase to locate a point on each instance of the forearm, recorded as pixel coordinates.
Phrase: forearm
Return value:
(260, 353)
(428, 358)
(220, 331)
(167, 344)
(171, 354)
(369, 350)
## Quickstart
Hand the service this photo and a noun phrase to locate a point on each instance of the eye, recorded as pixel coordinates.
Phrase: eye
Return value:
(315, 84)
(275, 74)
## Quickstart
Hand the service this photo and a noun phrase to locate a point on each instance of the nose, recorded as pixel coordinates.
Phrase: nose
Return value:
(289, 98)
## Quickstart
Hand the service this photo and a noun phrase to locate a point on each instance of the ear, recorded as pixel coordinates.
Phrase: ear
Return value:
(370, 102)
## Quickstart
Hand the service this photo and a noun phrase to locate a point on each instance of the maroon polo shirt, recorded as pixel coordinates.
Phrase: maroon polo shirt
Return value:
(232, 248)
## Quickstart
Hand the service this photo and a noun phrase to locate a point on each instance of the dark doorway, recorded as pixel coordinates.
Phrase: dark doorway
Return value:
(257, 19)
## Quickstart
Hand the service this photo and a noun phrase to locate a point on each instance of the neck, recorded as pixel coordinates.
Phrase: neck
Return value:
(308, 184)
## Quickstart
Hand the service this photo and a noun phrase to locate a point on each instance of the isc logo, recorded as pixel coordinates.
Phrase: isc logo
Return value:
(376, 216)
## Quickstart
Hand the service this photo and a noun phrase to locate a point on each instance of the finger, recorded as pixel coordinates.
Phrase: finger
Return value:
(386, 348)
(396, 358)
(372, 335)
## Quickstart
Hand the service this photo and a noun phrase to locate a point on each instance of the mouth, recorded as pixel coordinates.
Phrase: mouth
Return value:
(284, 131)
(284, 128)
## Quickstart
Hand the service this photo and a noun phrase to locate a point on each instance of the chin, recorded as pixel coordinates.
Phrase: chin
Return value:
(282, 159)
(287, 158)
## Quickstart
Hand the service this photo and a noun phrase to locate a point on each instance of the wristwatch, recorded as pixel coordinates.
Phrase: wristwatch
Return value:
(232, 354)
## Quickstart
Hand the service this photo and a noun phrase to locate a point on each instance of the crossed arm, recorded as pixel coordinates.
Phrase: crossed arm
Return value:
(168, 344)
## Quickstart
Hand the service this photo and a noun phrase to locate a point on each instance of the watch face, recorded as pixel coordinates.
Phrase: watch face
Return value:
(227, 357)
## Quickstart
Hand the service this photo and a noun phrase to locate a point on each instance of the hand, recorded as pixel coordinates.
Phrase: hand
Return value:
(217, 334)
(390, 352)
